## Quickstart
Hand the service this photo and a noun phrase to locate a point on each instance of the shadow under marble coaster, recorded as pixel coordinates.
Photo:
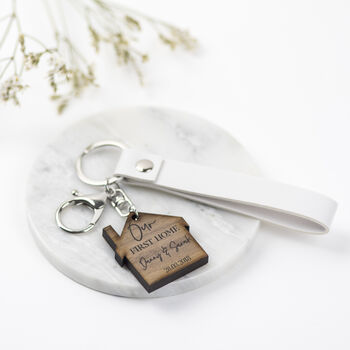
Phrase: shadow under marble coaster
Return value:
(87, 258)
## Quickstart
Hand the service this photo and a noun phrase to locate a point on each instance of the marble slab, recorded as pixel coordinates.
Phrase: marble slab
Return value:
(86, 258)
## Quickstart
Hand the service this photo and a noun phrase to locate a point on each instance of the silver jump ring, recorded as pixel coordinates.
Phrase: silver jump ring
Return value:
(86, 151)
(136, 213)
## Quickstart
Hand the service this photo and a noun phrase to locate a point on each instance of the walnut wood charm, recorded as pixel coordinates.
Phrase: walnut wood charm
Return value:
(157, 249)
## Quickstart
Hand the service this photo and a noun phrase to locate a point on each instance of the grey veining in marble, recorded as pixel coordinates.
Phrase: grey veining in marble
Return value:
(86, 258)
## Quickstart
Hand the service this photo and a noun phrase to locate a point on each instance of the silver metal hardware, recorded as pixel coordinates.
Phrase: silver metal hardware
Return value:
(96, 202)
(144, 165)
(120, 201)
(87, 150)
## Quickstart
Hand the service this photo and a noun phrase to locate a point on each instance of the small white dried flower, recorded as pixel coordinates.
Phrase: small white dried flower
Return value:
(10, 88)
(69, 72)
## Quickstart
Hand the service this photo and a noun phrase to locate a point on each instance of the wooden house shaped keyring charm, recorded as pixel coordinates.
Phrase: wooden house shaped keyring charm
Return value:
(157, 249)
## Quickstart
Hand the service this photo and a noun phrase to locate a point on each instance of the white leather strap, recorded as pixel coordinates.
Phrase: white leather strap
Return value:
(267, 200)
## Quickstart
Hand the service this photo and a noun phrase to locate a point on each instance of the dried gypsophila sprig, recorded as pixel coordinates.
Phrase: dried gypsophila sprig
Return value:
(10, 88)
(126, 24)
(11, 85)
(76, 79)
(69, 73)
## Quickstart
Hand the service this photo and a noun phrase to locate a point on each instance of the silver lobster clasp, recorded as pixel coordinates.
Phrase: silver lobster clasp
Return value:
(96, 202)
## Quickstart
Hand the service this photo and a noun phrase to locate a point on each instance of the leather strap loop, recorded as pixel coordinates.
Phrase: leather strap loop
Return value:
(266, 200)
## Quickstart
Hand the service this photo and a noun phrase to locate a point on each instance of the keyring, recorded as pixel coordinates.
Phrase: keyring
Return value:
(96, 202)
(86, 151)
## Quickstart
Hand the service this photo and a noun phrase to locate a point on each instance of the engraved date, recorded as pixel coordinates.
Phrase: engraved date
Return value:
(176, 264)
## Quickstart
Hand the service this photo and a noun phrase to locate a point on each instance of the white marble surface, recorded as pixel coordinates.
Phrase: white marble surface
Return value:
(86, 258)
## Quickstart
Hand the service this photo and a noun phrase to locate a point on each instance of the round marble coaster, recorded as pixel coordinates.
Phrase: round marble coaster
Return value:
(87, 258)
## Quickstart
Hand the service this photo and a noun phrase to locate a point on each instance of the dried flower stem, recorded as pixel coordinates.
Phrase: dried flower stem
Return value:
(70, 73)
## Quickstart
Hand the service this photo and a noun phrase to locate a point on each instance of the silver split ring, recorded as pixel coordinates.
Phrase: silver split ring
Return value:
(86, 151)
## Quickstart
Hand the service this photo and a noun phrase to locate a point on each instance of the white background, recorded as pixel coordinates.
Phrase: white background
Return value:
(276, 74)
